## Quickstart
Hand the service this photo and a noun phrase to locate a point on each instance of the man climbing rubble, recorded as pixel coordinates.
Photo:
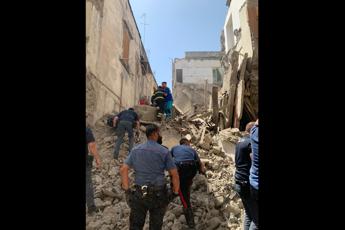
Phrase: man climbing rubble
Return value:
(149, 193)
(125, 122)
(90, 148)
(188, 163)
(158, 99)
(168, 100)
(243, 163)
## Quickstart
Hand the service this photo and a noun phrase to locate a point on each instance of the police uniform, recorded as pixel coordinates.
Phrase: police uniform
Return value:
(243, 163)
(126, 121)
(187, 162)
(149, 161)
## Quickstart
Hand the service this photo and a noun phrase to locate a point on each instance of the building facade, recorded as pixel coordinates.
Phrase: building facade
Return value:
(118, 73)
(193, 78)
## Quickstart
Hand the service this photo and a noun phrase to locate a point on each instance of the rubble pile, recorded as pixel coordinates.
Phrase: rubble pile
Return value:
(215, 204)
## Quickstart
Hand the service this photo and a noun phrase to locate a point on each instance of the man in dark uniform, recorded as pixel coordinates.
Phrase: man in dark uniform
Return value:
(243, 163)
(150, 193)
(125, 122)
(158, 99)
(188, 163)
(90, 148)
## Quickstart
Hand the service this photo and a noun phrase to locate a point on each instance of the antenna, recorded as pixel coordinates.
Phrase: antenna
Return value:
(145, 24)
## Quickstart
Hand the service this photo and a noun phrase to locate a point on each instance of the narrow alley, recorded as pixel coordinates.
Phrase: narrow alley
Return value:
(213, 94)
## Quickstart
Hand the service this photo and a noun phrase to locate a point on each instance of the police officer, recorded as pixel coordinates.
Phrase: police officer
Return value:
(149, 193)
(188, 163)
(90, 148)
(243, 164)
(125, 121)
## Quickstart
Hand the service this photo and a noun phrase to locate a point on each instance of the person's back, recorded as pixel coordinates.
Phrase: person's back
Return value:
(128, 115)
(150, 193)
(126, 121)
(188, 163)
(183, 153)
(148, 161)
(242, 159)
(158, 99)
(243, 164)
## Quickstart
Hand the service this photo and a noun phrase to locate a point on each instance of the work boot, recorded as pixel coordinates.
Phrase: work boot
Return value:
(188, 213)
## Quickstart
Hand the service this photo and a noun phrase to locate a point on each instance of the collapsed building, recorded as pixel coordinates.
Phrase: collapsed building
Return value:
(223, 82)
(193, 79)
(118, 73)
(239, 100)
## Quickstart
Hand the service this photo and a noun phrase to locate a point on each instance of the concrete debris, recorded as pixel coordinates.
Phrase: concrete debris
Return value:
(213, 223)
(215, 204)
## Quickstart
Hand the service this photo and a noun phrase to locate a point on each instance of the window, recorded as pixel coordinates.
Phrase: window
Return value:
(125, 45)
(179, 75)
(217, 76)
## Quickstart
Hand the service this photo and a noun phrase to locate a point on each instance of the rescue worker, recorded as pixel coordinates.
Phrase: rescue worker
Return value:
(254, 175)
(158, 99)
(243, 164)
(149, 193)
(168, 100)
(188, 163)
(125, 122)
(90, 148)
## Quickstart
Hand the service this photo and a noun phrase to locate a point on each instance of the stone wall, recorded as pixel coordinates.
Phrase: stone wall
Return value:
(111, 85)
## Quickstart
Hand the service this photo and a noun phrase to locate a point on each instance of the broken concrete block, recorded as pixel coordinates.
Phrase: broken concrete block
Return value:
(146, 112)
(218, 201)
(143, 128)
(213, 223)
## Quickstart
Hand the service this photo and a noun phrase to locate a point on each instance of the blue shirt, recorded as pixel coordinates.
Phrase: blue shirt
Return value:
(169, 96)
(128, 115)
(242, 159)
(149, 160)
(183, 153)
(254, 170)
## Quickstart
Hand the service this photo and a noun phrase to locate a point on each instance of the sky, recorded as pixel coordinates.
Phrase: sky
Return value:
(177, 26)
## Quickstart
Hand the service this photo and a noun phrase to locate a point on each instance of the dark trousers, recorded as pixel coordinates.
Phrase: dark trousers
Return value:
(122, 128)
(161, 104)
(186, 174)
(154, 202)
(89, 186)
(255, 207)
(243, 191)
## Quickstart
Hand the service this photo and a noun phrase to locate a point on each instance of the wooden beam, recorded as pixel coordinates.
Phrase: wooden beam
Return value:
(233, 84)
(240, 89)
(215, 105)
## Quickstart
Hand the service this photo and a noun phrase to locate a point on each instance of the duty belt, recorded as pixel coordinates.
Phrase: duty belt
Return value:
(145, 189)
(183, 163)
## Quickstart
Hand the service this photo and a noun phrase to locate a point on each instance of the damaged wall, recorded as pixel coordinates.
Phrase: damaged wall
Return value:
(190, 98)
(189, 80)
(240, 84)
(118, 72)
